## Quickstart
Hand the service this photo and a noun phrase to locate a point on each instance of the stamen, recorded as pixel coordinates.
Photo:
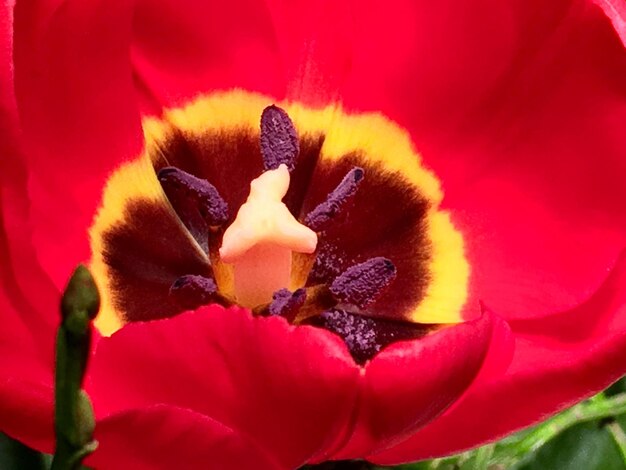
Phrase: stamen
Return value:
(192, 291)
(180, 187)
(367, 336)
(362, 283)
(319, 217)
(358, 332)
(327, 264)
(279, 140)
(286, 303)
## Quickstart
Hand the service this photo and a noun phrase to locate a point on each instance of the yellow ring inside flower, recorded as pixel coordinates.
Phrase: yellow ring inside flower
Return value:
(373, 137)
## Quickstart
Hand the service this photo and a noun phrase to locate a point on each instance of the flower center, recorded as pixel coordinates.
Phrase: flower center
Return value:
(340, 228)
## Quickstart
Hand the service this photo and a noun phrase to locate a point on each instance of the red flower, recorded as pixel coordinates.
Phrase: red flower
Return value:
(517, 109)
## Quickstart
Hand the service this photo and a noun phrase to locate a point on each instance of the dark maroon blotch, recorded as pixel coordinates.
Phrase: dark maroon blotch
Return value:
(279, 140)
(192, 291)
(145, 254)
(336, 201)
(182, 187)
(362, 283)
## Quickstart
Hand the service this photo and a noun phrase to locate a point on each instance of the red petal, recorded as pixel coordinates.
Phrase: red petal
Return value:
(26, 393)
(289, 389)
(317, 53)
(76, 101)
(301, 49)
(518, 107)
(411, 383)
(616, 11)
(26, 397)
(28, 315)
(34, 296)
(553, 367)
(21, 270)
(179, 52)
(165, 437)
(530, 259)
(26, 411)
(6, 59)
(26, 336)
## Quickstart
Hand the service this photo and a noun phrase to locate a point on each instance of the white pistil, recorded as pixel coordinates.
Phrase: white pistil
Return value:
(260, 241)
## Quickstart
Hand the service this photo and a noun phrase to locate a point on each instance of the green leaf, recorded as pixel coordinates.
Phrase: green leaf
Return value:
(616, 388)
(16, 456)
(585, 446)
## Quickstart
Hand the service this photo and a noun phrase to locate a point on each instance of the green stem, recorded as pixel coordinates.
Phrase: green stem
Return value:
(73, 415)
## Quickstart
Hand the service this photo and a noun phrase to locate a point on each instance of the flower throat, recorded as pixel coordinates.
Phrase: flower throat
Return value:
(336, 226)
(261, 239)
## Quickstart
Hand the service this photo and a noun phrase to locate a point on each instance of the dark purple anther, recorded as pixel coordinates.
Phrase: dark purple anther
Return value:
(192, 291)
(367, 336)
(327, 265)
(319, 217)
(358, 332)
(362, 283)
(286, 303)
(182, 187)
(279, 140)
